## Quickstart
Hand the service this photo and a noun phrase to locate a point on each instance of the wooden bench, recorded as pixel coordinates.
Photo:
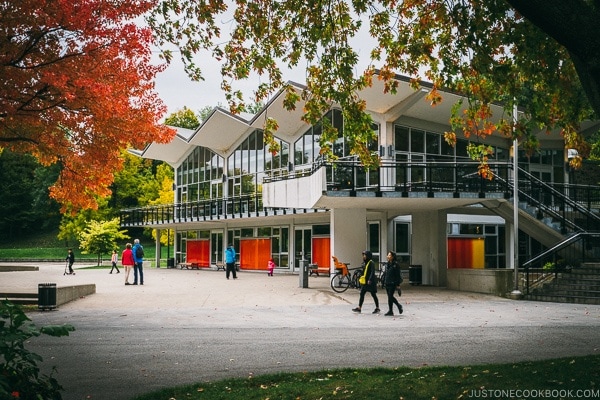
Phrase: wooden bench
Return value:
(314, 269)
(189, 265)
(220, 265)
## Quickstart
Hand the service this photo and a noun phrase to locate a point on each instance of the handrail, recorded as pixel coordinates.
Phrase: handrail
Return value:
(559, 246)
(567, 200)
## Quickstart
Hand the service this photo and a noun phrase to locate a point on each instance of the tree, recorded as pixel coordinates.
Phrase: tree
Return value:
(100, 237)
(24, 204)
(166, 195)
(76, 88)
(484, 50)
(184, 118)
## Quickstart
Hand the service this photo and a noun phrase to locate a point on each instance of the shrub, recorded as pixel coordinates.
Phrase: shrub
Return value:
(20, 376)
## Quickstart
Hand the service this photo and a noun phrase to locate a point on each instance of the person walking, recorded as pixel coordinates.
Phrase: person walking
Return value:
(127, 261)
(368, 282)
(393, 279)
(70, 261)
(114, 259)
(230, 261)
(270, 266)
(138, 267)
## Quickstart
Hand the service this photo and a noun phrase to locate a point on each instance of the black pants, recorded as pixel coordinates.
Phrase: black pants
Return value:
(363, 291)
(230, 268)
(391, 292)
(114, 266)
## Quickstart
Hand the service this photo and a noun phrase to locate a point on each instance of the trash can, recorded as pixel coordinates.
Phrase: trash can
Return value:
(171, 262)
(415, 274)
(47, 296)
(303, 273)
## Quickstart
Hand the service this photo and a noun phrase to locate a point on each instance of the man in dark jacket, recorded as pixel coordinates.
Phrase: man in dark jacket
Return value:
(393, 279)
(370, 284)
(70, 260)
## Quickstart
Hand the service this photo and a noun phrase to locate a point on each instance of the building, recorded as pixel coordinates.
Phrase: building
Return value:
(425, 201)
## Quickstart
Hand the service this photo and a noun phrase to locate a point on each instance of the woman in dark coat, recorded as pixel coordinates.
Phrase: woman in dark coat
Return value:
(393, 279)
(371, 283)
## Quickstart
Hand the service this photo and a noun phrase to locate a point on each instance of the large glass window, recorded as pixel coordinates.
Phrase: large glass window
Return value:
(195, 174)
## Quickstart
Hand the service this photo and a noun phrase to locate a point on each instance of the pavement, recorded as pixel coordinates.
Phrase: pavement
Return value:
(190, 326)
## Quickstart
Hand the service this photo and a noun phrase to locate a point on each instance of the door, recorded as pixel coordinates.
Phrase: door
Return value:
(216, 247)
(543, 173)
(302, 246)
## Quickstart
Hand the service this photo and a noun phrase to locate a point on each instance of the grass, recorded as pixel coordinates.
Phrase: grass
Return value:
(45, 246)
(560, 378)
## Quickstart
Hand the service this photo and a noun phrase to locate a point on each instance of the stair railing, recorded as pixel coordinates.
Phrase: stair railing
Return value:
(570, 253)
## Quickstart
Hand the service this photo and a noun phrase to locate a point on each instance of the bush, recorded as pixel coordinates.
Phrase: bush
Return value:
(20, 376)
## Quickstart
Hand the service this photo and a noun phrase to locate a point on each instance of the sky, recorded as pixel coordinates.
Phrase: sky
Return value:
(177, 90)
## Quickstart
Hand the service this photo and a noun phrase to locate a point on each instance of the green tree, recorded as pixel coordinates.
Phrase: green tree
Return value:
(166, 195)
(484, 50)
(100, 237)
(25, 206)
(184, 118)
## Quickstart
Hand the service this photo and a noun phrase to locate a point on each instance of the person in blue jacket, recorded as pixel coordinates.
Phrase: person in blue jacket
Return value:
(230, 261)
(138, 257)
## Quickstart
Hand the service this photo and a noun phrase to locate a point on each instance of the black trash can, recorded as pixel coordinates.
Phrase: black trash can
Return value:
(47, 296)
(415, 274)
(171, 262)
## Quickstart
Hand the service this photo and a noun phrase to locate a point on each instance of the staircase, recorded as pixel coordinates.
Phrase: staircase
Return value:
(577, 285)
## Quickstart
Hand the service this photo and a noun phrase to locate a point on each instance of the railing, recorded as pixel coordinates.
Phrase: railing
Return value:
(429, 177)
(201, 210)
(568, 204)
(570, 253)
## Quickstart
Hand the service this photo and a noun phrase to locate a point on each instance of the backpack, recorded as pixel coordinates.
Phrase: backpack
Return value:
(139, 252)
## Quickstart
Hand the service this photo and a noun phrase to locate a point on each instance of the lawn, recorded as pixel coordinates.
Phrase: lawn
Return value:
(573, 377)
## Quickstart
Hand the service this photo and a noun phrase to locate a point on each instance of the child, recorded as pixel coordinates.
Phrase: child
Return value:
(271, 267)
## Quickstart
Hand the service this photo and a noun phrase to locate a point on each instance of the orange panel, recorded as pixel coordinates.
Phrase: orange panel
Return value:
(197, 252)
(466, 252)
(321, 251)
(254, 253)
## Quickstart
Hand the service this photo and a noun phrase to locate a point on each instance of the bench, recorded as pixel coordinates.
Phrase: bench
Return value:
(189, 265)
(220, 266)
(314, 269)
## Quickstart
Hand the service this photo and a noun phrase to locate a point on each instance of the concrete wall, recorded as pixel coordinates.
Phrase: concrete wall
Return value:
(498, 282)
(65, 294)
(348, 235)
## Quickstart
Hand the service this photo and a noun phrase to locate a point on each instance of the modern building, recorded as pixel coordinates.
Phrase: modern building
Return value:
(426, 201)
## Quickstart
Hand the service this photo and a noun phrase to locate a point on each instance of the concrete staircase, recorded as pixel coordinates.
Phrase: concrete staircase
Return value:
(580, 285)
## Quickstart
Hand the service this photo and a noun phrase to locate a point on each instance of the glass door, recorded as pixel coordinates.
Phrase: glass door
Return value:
(216, 247)
(302, 246)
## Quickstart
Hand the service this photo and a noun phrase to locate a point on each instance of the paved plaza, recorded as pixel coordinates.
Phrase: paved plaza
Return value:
(187, 326)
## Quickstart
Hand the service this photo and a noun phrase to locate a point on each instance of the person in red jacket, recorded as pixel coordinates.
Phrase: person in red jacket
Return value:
(127, 261)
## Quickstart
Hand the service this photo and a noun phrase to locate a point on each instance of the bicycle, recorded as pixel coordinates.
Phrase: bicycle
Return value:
(342, 279)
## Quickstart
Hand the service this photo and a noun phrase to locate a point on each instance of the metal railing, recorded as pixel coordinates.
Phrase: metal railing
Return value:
(571, 253)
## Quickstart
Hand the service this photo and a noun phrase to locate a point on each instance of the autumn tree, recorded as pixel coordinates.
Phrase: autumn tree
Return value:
(485, 50)
(100, 237)
(76, 87)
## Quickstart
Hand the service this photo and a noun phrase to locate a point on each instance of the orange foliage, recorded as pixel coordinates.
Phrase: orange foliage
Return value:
(77, 86)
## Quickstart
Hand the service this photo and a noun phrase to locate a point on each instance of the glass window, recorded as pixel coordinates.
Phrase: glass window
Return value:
(401, 136)
(433, 143)
(402, 238)
(417, 141)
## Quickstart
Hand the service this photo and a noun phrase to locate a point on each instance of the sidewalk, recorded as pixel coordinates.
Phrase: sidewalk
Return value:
(207, 288)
